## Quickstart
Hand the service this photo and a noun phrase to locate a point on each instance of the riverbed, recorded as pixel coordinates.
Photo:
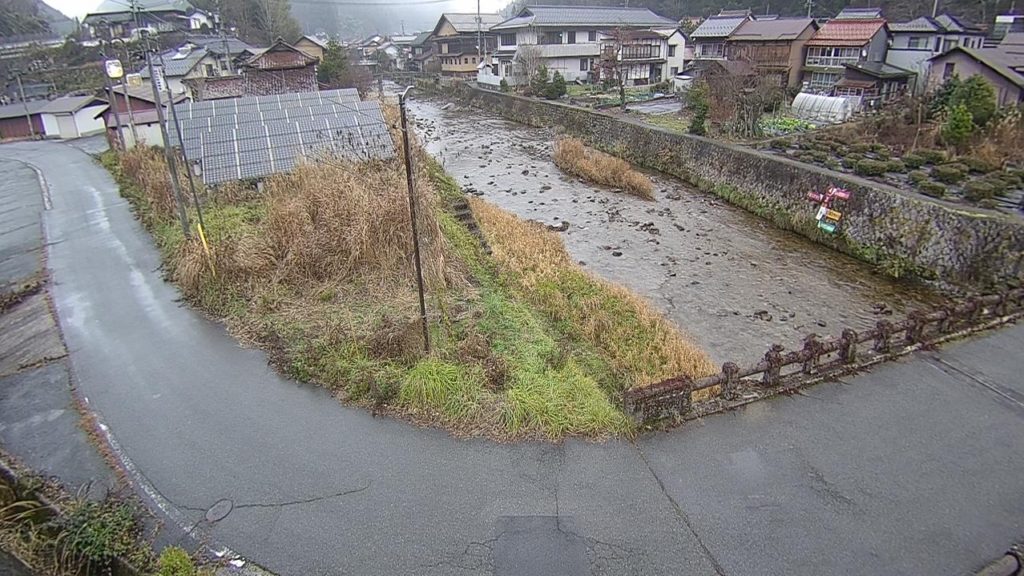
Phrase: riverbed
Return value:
(732, 281)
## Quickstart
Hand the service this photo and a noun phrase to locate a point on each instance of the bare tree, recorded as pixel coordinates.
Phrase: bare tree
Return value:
(741, 96)
(527, 62)
(613, 65)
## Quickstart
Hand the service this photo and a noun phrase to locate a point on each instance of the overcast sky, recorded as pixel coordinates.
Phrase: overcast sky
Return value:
(79, 8)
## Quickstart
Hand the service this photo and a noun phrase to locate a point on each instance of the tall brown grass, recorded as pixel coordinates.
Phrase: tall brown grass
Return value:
(571, 155)
(642, 347)
(147, 168)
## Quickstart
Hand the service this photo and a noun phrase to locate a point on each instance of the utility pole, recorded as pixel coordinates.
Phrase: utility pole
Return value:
(479, 34)
(168, 154)
(28, 116)
(810, 5)
(412, 217)
(935, 9)
(127, 97)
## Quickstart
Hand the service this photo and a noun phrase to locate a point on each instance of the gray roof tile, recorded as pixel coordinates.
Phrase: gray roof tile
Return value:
(590, 16)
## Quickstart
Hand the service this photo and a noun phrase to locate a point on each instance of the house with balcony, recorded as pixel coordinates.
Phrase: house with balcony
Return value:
(709, 39)
(461, 42)
(571, 40)
(774, 47)
(839, 42)
(154, 16)
(916, 42)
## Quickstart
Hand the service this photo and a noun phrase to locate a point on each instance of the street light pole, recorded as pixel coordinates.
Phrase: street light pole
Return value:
(412, 216)
(28, 116)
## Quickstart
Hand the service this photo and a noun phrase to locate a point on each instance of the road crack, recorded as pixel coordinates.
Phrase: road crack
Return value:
(304, 500)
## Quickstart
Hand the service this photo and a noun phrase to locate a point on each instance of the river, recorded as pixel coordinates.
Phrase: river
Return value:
(731, 280)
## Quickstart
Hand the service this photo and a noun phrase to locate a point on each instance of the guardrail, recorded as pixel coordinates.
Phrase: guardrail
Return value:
(818, 358)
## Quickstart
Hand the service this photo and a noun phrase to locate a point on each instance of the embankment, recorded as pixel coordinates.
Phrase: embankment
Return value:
(905, 235)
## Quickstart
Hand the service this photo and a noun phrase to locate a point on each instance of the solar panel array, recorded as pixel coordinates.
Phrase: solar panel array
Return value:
(254, 137)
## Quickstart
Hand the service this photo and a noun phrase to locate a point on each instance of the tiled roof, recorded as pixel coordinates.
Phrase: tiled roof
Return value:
(421, 39)
(177, 63)
(591, 16)
(718, 26)
(18, 109)
(922, 24)
(467, 22)
(846, 33)
(145, 93)
(115, 6)
(216, 44)
(771, 30)
(859, 14)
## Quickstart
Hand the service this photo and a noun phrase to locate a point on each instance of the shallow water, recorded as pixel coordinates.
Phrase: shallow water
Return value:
(729, 279)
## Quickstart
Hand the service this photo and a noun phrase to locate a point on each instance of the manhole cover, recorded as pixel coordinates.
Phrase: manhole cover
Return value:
(219, 511)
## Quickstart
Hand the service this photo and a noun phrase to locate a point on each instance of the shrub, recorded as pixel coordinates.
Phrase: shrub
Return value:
(977, 190)
(556, 88)
(949, 174)
(895, 166)
(781, 143)
(819, 155)
(881, 151)
(861, 148)
(1009, 179)
(503, 85)
(933, 189)
(98, 532)
(870, 168)
(932, 156)
(913, 161)
(918, 176)
(977, 96)
(539, 81)
(832, 163)
(175, 561)
(998, 185)
(697, 98)
(958, 127)
(978, 165)
(988, 203)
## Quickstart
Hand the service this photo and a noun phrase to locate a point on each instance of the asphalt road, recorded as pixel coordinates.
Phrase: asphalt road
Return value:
(913, 468)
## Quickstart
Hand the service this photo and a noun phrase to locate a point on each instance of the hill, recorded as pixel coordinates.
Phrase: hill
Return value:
(29, 17)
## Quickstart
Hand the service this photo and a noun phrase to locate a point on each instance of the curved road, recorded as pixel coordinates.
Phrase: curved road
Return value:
(914, 468)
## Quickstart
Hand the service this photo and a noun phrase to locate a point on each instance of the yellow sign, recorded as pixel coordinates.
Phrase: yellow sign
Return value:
(705, 394)
(834, 215)
(134, 80)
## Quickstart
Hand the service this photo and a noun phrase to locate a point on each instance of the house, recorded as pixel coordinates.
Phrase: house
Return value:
(571, 40)
(61, 118)
(914, 43)
(838, 42)
(142, 109)
(859, 14)
(1004, 24)
(422, 55)
(875, 83)
(313, 46)
(185, 63)
(710, 37)
(773, 46)
(280, 69)
(1002, 67)
(73, 117)
(153, 16)
(228, 50)
(457, 41)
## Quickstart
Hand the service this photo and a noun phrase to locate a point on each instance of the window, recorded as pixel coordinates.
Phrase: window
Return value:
(674, 70)
(917, 42)
(551, 38)
(711, 50)
(948, 70)
(570, 37)
(584, 64)
(948, 45)
(823, 80)
(832, 56)
(671, 50)
(506, 68)
(208, 70)
(508, 39)
(465, 60)
(592, 36)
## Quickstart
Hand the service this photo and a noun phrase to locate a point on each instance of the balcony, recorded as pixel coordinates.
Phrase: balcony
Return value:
(831, 61)
(641, 52)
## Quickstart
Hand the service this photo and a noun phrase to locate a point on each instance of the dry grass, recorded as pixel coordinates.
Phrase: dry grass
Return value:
(640, 345)
(571, 155)
(147, 168)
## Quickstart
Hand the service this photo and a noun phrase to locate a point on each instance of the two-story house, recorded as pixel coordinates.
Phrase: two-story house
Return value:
(774, 47)
(710, 37)
(570, 39)
(644, 56)
(421, 53)
(839, 42)
(461, 42)
(155, 16)
(914, 43)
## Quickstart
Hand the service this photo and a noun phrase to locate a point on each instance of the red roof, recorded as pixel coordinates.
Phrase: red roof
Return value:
(846, 32)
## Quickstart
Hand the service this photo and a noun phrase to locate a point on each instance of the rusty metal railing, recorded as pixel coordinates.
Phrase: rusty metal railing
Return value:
(818, 358)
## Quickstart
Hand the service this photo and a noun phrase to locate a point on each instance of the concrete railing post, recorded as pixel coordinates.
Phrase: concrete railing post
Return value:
(883, 336)
(773, 358)
(848, 346)
(730, 373)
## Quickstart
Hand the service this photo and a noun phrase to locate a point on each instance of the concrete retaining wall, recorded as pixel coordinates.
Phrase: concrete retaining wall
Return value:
(904, 234)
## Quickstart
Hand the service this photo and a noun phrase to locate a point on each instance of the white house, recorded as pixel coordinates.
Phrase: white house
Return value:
(72, 117)
(570, 40)
(185, 63)
(914, 43)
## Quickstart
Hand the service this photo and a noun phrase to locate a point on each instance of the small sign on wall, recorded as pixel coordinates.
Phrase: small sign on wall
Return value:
(828, 218)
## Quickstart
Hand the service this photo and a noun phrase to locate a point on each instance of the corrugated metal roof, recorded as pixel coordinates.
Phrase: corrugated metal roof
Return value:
(846, 33)
(467, 22)
(69, 104)
(18, 109)
(585, 16)
(718, 27)
(771, 30)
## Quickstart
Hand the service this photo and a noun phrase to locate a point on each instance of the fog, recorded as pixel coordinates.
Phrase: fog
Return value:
(349, 21)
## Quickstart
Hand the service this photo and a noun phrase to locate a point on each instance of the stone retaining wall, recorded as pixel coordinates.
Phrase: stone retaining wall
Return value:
(904, 234)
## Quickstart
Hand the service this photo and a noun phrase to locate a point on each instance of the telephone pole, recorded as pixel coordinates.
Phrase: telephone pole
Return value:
(412, 217)
(479, 34)
(24, 104)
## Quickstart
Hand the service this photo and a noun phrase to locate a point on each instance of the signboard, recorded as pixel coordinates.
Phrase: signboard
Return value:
(114, 69)
(827, 217)
(134, 80)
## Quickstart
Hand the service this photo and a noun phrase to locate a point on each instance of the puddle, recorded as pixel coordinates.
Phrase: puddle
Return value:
(730, 280)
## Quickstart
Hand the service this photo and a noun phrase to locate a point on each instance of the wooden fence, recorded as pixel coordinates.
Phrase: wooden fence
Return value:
(818, 358)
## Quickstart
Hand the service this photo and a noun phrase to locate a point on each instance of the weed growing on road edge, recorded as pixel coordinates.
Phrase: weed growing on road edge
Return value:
(571, 155)
(317, 271)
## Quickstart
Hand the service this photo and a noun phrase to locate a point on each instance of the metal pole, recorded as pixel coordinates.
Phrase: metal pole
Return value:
(28, 116)
(127, 99)
(168, 155)
(412, 216)
(188, 168)
(935, 9)
(117, 114)
(479, 41)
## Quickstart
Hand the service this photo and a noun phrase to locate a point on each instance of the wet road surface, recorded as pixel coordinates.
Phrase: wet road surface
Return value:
(731, 280)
